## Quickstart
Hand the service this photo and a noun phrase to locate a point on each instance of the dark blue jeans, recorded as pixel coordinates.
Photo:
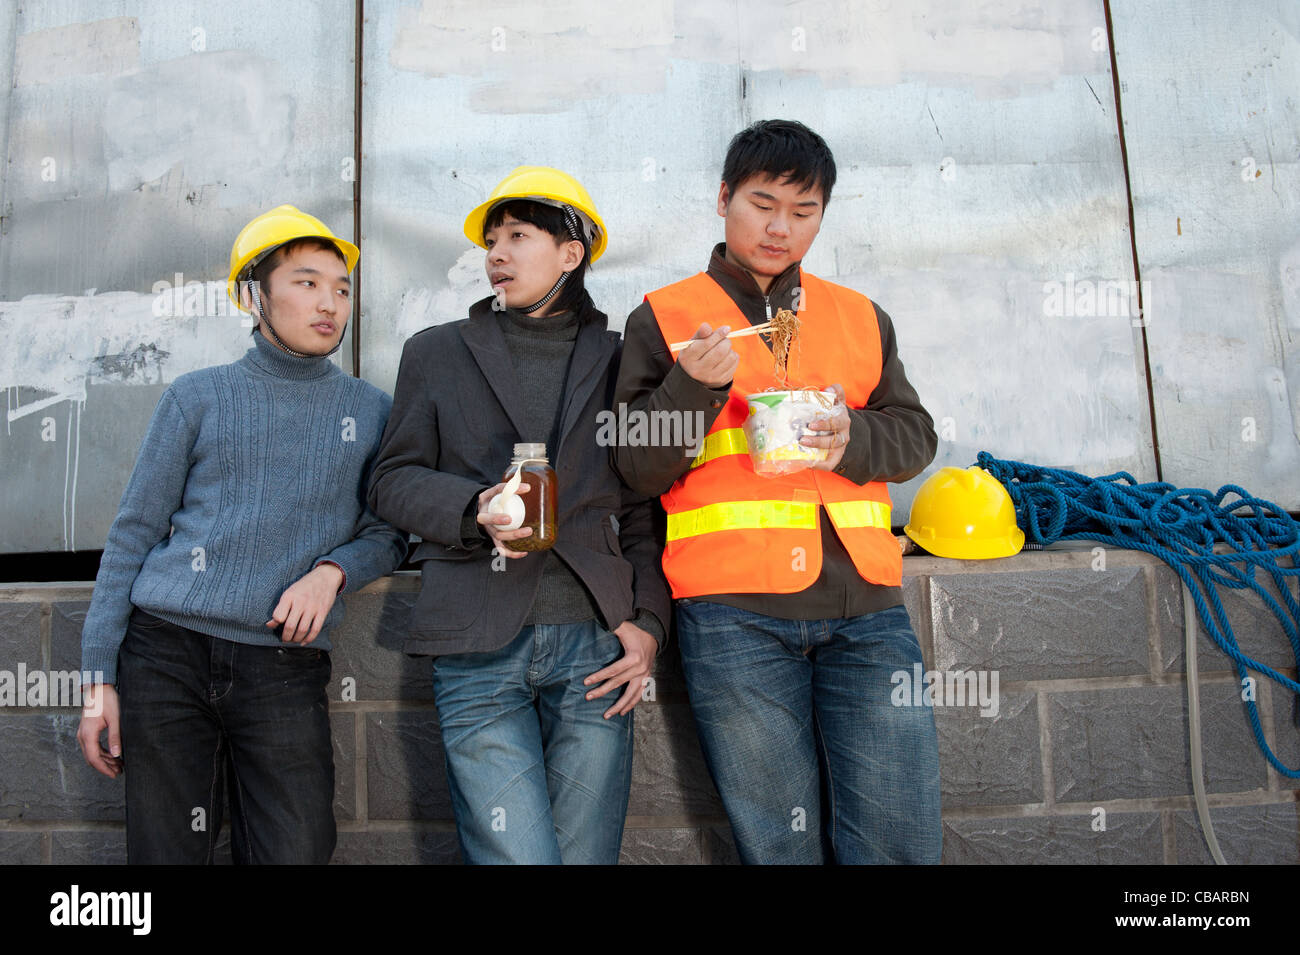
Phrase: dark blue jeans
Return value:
(199, 713)
(537, 774)
(813, 761)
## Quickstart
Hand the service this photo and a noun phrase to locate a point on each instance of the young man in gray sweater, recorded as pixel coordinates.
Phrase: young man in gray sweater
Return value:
(243, 520)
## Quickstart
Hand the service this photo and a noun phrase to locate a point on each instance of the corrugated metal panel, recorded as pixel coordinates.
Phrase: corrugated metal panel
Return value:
(981, 201)
(979, 169)
(978, 158)
(457, 97)
(1210, 115)
(141, 137)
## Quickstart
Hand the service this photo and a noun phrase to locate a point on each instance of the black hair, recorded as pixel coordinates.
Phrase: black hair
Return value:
(783, 149)
(551, 220)
(262, 271)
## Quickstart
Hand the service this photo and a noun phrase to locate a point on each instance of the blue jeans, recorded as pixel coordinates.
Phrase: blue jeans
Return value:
(536, 774)
(199, 713)
(809, 755)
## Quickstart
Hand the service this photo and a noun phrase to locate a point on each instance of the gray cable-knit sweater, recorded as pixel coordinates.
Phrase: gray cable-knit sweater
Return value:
(249, 476)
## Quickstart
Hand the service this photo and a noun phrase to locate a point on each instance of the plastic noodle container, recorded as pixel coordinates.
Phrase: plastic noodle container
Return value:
(776, 422)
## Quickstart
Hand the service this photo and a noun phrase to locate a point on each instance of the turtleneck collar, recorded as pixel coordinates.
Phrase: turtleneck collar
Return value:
(561, 325)
(268, 358)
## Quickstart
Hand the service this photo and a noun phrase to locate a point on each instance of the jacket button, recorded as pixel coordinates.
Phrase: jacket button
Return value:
(715, 403)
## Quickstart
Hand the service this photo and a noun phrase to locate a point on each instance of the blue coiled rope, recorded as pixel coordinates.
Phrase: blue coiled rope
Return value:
(1181, 527)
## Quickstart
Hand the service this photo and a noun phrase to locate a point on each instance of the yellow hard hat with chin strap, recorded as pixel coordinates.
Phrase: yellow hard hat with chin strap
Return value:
(551, 187)
(966, 514)
(262, 236)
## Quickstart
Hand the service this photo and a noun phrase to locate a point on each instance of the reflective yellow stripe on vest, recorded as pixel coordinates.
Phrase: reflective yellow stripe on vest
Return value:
(741, 515)
(859, 514)
(721, 443)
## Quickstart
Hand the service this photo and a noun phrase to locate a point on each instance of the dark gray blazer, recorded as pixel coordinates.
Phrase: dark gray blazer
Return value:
(457, 413)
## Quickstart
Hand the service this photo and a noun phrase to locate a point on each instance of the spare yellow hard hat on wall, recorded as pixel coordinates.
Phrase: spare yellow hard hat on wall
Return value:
(271, 230)
(549, 186)
(965, 514)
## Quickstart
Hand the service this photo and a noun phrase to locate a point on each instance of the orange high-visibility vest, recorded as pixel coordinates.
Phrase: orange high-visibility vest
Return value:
(731, 530)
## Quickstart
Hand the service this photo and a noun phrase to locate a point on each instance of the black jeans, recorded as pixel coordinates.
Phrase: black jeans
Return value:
(197, 712)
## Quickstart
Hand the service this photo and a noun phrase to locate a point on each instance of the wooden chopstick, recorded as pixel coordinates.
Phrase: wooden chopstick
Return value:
(751, 330)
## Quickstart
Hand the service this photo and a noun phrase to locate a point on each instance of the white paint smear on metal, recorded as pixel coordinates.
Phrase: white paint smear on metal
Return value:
(197, 112)
(540, 58)
(104, 46)
(998, 375)
(57, 343)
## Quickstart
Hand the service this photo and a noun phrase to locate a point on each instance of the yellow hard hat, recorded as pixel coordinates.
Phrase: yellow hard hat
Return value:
(542, 184)
(271, 229)
(965, 514)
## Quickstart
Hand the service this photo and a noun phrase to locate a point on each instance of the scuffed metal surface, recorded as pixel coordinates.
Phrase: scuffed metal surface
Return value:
(978, 160)
(1214, 151)
(140, 138)
(110, 46)
(981, 189)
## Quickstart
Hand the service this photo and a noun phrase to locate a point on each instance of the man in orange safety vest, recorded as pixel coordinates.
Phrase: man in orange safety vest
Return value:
(789, 610)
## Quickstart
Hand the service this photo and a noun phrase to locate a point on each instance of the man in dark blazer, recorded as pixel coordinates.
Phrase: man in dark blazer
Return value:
(538, 764)
(428, 478)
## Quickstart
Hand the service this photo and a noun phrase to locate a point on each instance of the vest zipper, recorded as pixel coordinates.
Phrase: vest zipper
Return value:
(767, 305)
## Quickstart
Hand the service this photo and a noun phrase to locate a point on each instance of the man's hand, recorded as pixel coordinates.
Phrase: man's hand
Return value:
(99, 712)
(632, 668)
(491, 522)
(710, 359)
(834, 436)
(303, 607)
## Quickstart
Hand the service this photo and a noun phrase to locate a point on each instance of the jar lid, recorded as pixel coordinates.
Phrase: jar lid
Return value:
(528, 449)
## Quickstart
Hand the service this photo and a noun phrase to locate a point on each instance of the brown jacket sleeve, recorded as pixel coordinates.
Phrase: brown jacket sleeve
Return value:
(649, 381)
(642, 548)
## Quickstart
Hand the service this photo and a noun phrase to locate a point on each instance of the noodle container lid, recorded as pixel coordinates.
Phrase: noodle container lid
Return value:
(772, 399)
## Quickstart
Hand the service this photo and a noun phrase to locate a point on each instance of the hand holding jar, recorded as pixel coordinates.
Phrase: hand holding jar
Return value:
(520, 515)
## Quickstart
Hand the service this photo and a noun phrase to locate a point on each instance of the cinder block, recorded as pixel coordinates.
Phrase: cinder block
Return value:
(343, 735)
(1256, 629)
(45, 776)
(1233, 760)
(670, 681)
(88, 847)
(67, 617)
(20, 636)
(368, 651)
(661, 847)
(1128, 839)
(1247, 835)
(912, 600)
(1169, 613)
(1133, 743)
(1281, 731)
(669, 777)
(1044, 625)
(406, 774)
(20, 848)
(108, 846)
(990, 760)
(720, 846)
(408, 847)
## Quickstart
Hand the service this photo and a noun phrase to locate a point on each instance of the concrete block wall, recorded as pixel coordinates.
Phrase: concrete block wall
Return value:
(1086, 759)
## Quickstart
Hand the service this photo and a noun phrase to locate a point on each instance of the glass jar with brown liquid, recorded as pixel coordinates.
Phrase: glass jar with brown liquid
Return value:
(539, 500)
